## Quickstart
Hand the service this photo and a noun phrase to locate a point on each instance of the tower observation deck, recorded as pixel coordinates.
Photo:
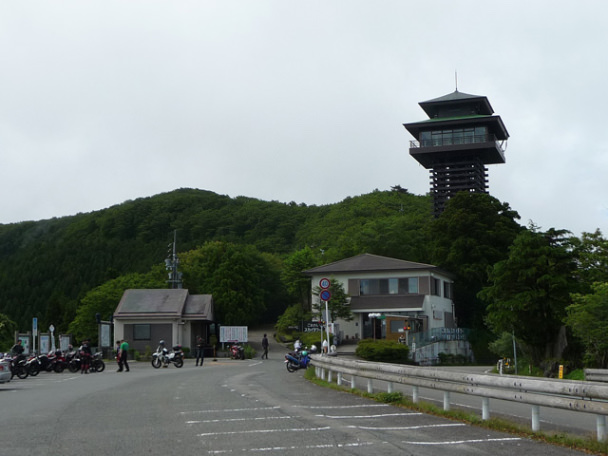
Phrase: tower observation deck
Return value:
(456, 143)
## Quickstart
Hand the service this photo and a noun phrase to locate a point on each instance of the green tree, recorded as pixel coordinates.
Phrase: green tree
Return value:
(471, 235)
(591, 252)
(588, 319)
(338, 305)
(240, 278)
(530, 290)
(7, 333)
(296, 283)
(105, 298)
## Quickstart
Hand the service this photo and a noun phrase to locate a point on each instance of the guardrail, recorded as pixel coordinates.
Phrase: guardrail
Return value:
(580, 396)
(596, 375)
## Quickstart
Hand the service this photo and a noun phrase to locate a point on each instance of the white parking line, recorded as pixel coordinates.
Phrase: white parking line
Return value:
(242, 419)
(406, 428)
(265, 431)
(460, 442)
(369, 416)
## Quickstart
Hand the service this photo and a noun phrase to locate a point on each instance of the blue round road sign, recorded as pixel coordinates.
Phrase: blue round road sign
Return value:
(325, 295)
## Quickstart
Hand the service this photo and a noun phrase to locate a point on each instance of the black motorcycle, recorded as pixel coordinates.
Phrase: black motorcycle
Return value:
(96, 363)
(19, 367)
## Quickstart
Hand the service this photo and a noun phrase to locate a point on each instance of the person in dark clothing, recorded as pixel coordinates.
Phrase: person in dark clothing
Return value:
(200, 350)
(265, 346)
(17, 350)
(85, 357)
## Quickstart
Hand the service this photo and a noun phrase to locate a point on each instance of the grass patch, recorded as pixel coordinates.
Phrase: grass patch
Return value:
(495, 424)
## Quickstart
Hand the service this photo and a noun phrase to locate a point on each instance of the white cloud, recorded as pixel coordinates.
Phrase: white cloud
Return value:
(102, 102)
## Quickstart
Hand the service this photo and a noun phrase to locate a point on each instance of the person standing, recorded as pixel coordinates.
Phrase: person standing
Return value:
(265, 346)
(85, 357)
(200, 350)
(117, 352)
(122, 356)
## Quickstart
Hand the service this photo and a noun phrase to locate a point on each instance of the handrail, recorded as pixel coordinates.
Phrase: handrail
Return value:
(581, 396)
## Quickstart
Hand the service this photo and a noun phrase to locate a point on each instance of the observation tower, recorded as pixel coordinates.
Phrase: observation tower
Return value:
(457, 141)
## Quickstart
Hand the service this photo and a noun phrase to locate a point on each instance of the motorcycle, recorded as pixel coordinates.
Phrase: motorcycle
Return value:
(18, 366)
(237, 351)
(162, 357)
(33, 365)
(95, 365)
(297, 360)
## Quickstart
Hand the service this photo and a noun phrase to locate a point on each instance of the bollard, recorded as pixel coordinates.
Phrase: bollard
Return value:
(370, 386)
(485, 408)
(415, 392)
(446, 401)
(600, 421)
(536, 418)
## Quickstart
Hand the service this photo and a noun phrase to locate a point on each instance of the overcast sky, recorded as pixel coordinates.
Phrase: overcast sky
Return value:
(107, 101)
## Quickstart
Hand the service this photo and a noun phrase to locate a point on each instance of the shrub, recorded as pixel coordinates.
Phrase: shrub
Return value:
(385, 351)
(249, 351)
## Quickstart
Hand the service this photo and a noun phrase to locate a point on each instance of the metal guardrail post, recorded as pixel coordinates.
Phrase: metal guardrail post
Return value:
(485, 408)
(535, 418)
(339, 379)
(600, 421)
(415, 394)
(389, 387)
(446, 401)
(370, 386)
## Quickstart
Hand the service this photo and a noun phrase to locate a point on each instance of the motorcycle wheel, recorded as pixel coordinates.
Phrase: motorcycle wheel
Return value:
(34, 369)
(59, 368)
(99, 365)
(22, 372)
(156, 362)
(179, 363)
(73, 367)
(291, 367)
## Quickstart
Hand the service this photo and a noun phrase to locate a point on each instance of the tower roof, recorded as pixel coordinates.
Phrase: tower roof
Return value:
(464, 102)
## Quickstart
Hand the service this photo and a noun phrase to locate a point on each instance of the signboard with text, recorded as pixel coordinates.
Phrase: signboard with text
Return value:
(233, 333)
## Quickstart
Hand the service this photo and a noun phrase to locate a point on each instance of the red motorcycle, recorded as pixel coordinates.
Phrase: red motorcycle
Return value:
(237, 351)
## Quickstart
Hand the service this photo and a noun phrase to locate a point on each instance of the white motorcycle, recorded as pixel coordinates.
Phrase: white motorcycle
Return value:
(162, 357)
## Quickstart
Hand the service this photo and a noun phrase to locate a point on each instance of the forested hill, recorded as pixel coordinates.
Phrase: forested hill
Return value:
(47, 267)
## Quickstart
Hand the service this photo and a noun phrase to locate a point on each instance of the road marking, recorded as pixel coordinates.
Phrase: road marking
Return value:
(460, 442)
(405, 428)
(340, 406)
(242, 419)
(369, 416)
(305, 447)
(265, 431)
(254, 409)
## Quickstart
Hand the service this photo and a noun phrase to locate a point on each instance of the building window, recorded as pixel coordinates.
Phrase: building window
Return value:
(402, 286)
(447, 290)
(468, 135)
(141, 332)
(393, 286)
(435, 286)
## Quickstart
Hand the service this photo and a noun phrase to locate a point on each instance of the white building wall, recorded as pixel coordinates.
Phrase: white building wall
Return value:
(434, 307)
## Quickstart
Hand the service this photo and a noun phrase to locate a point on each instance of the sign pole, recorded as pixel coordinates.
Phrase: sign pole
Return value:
(325, 295)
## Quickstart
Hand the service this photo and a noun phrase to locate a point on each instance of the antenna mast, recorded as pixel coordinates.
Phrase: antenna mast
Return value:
(171, 264)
